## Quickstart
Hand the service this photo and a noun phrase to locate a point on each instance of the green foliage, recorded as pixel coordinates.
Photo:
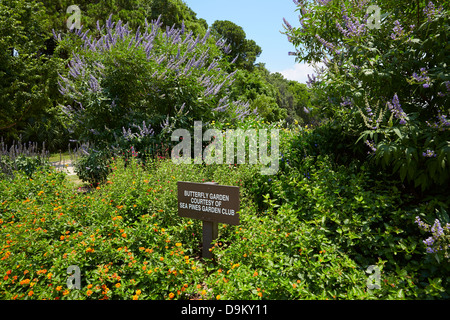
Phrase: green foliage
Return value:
(25, 164)
(314, 239)
(180, 80)
(245, 51)
(272, 95)
(387, 87)
(94, 167)
(132, 11)
(28, 91)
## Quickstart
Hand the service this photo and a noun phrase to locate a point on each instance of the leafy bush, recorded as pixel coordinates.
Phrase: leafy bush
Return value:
(180, 79)
(387, 87)
(94, 167)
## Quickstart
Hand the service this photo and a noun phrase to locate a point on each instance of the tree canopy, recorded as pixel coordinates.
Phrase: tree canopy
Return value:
(244, 50)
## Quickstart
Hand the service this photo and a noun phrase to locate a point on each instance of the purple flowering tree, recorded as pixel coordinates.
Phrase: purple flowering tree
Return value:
(387, 87)
(129, 87)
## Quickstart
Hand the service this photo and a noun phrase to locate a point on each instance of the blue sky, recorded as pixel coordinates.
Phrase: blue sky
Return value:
(262, 21)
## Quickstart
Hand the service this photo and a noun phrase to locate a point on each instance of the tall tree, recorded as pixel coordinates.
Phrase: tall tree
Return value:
(244, 49)
(28, 76)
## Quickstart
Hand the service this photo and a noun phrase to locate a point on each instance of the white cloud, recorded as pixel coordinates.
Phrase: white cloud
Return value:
(299, 72)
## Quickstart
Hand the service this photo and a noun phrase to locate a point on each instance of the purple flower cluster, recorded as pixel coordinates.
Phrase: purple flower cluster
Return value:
(442, 124)
(438, 240)
(184, 55)
(324, 2)
(371, 145)
(346, 102)
(353, 28)
(369, 118)
(242, 109)
(430, 10)
(287, 24)
(429, 154)
(422, 78)
(328, 45)
(144, 131)
(397, 110)
(398, 31)
(311, 81)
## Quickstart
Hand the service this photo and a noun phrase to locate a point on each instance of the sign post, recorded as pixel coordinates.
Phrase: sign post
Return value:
(211, 203)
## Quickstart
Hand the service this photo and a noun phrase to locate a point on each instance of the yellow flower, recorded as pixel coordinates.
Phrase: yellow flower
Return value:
(171, 295)
(89, 286)
(178, 244)
(135, 297)
(118, 285)
(218, 297)
(138, 291)
(58, 288)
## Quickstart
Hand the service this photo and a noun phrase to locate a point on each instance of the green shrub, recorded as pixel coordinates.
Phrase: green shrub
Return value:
(94, 167)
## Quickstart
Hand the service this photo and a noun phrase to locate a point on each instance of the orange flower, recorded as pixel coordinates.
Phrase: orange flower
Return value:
(178, 244)
(89, 286)
(25, 281)
(124, 235)
(171, 295)
(118, 285)
(135, 297)
(138, 292)
(161, 259)
(66, 292)
(30, 293)
(89, 292)
(255, 274)
(218, 297)
(260, 294)
(58, 288)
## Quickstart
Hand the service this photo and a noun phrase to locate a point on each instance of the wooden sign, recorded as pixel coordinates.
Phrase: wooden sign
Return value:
(211, 203)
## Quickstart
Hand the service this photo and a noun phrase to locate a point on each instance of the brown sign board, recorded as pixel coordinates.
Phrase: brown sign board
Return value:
(209, 202)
